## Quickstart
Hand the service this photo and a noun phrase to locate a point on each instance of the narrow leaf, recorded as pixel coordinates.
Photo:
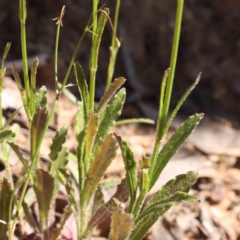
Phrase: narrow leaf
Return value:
(97, 39)
(58, 140)
(83, 87)
(7, 152)
(58, 164)
(130, 168)
(11, 117)
(19, 84)
(29, 217)
(104, 156)
(33, 84)
(180, 103)
(122, 195)
(41, 98)
(6, 135)
(110, 183)
(98, 199)
(150, 215)
(43, 187)
(113, 110)
(5, 195)
(80, 119)
(33, 75)
(134, 120)
(109, 93)
(161, 105)
(66, 214)
(80, 158)
(144, 181)
(6, 50)
(18, 152)
(91, 131)
(181, 183)
(121, 225)
(172, 146)
(38, 124)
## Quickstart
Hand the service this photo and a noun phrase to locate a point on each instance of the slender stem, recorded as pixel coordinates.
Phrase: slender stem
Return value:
(166, 97)
(22, 17)
(94, 13)
(75, 54)
(114, 47)
(134, 120)
(56, 57)
(59, 24)
(131, 205)
(92, 89)
(173, 62)
(157, 143)
(93, 64)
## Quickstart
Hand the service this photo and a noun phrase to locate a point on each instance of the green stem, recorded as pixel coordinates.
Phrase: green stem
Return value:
(114, 47)
(134, 120)
(131, 205)
(22, 17)
(173, 62)
(74, 55)
(93, 65)
(56, 56)
(166, 97)
(94, 13)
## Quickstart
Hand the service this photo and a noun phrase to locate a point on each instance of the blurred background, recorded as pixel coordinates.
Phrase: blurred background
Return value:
(210, 43)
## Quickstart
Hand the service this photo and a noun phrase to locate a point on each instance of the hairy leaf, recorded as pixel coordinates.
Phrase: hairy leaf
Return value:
(121, 224)
(181, 183)
(151, 214)
(93, 63)
(33, 85)
(180, 103)
(83, 87)
(113, 110)
(91, 132)
(41, 99)
(110, 93)
(80, 119)
(98, 199)
(144, 181)
(172, 146)
(110, 183)
(43, 187)
(11, 117)
(29, 217)
(18, 152)
(58, 140)
(38, 124)
(5, 195)
(104, 156)
(122, 195)
(59, 163)
(130, 167)
(6, 135)
(80, 158)
(19, 84)
(33, 76)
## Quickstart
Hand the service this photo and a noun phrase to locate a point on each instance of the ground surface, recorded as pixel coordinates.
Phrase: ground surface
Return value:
(213, 150)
